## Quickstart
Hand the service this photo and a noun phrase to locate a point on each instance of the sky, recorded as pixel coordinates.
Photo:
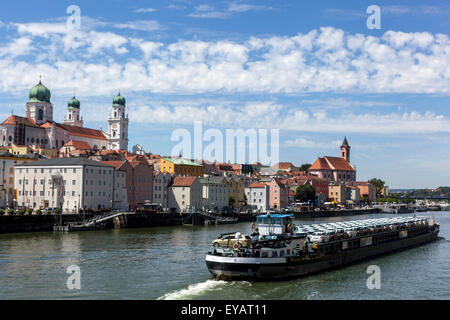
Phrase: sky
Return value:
(312, 69)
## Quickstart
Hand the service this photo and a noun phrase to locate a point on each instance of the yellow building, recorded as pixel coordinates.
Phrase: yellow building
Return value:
(181, 167)
(336, 192)
(237, 190)
(19, 150)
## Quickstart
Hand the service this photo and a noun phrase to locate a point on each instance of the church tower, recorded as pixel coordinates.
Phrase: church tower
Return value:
(73, 113)
(345, 150)
(118, 125)
(39, 108)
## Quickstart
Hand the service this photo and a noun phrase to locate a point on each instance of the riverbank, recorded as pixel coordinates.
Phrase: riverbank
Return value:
(36, 223)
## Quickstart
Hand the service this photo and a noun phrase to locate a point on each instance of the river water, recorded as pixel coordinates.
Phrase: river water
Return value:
(168, 263)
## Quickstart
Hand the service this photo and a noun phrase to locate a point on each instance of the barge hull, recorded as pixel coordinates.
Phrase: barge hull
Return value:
(299, 266)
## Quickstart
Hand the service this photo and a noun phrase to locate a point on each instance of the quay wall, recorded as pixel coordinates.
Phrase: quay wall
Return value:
(35, 223)
(144, 220)
(17, 223)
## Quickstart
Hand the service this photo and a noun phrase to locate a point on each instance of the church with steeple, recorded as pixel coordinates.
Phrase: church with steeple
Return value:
(37, 129)
(335, 169)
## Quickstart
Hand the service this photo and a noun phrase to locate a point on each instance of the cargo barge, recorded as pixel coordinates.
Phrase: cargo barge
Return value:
(280, 250)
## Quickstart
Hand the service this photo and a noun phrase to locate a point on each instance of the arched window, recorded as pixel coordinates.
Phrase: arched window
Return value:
(114, 134)
(70, 116)
(115, 114)
(40, 114)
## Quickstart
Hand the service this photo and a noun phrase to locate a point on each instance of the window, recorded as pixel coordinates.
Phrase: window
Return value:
(40, 115)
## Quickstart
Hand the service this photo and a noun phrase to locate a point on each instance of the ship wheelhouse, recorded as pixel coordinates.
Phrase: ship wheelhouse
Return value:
(274, 224)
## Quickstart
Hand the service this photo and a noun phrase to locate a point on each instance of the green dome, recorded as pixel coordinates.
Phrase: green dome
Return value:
(39, 93)
(119, 100)
(74, 103)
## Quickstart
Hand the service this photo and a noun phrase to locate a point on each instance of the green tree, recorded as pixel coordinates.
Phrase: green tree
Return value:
(305, 192)
(365, 199)
(231, 201)
(305, 166)
(378, 184)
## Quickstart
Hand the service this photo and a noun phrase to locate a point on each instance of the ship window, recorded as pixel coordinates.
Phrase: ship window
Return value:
(264, 255)
(274, 254)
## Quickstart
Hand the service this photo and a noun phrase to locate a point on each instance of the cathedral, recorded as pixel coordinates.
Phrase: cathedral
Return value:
(38, 129)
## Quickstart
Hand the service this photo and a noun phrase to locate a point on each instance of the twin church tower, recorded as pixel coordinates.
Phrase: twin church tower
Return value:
(38, 129)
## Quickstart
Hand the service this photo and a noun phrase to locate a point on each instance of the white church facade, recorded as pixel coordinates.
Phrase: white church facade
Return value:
(38, 129)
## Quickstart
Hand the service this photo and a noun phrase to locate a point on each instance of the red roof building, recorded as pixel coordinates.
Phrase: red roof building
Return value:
(335, 169)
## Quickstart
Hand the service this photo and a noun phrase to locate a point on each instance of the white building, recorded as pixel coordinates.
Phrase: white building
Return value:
(185, 193)
(215, 193)
(7, 163)
(258, 196)
(161, 182)
(70, 184)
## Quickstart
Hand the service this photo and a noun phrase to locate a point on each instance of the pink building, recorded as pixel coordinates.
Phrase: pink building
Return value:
(278, 193)
(139, 180)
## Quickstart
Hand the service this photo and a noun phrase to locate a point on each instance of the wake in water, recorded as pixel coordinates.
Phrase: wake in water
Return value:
(197, 289)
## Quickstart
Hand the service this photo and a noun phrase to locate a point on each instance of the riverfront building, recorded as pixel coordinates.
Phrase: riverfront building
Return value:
(215, 193)
(139, 180)
(258, 196)
(70, 184)
(7, 163)
(161, 182)
(185, 193)
(236, 185)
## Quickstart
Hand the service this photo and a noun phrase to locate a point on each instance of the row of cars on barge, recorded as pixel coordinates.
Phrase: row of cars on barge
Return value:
(279, 250)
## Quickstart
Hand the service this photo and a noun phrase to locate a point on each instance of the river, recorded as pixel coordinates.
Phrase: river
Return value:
(168, 263)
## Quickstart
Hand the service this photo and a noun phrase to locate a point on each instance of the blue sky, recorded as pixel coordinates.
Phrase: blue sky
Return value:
(309, 68)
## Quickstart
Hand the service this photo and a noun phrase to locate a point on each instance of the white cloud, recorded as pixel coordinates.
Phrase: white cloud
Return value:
(209, 11)
(258, 114)
(19, 46)
(145, 10)
(305, 143)
(142, 25)
(324, 60)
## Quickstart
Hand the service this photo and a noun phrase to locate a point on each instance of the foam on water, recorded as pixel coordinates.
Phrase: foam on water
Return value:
(193, 290)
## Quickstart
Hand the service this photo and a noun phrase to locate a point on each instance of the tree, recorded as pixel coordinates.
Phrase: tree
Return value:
(378, 184)
(365, 199)
(305, 192)
(305, 166)
(231, 201)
